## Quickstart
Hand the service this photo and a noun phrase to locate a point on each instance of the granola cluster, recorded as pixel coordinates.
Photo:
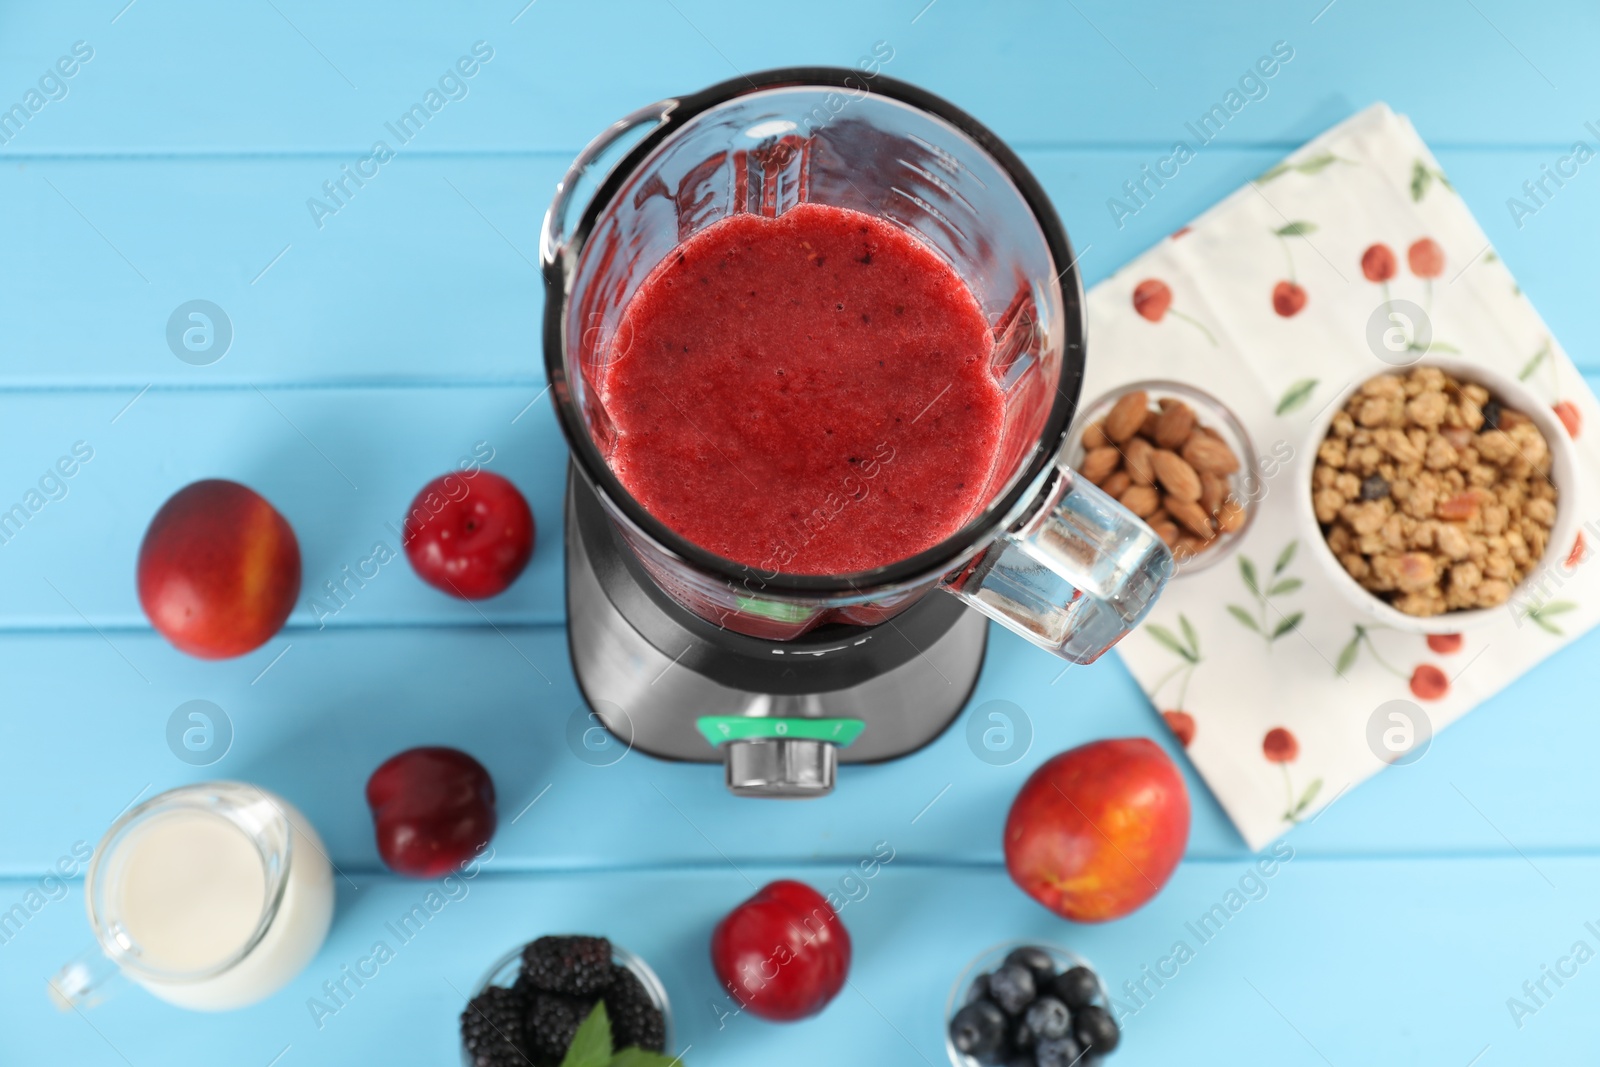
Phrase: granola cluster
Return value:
(1431, 494)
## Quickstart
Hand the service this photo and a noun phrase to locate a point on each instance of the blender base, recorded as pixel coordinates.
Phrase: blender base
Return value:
(653, 672)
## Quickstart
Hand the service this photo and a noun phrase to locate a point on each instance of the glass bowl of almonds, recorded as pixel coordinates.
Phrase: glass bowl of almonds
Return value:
(1442, 495)
(1176, 457)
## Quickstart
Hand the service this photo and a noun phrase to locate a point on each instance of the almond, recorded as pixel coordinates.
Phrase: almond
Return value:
(1213, 490)
(1209, 455)
(1098, 463)
(1176, 476)
(1187, 548)
(1190, 514)
(1136, 459)
(1148, 427)
(1142, 500)
(1126, 416)
(1167, 531)
(1117, 484)
(1158, 515)
(1094, 436)
(1230, 516)
(1174, 424)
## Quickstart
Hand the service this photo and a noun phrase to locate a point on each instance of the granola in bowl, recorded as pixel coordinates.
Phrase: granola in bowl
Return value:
(1437, 492)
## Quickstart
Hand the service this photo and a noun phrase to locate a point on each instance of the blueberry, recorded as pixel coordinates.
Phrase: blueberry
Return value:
(1012, 988)
(1048, 1018)
(979, 990)
(1491, 415)
(1036, 960)
(1095, 1027)
(1059, 1052)
(979, 1030)
(1022, 1035)
(1077, 987)
(1374, 487)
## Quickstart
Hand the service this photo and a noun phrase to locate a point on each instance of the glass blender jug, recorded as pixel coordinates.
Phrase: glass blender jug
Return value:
(1048, 554)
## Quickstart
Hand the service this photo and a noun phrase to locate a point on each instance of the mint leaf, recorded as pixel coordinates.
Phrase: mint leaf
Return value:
(591, 1045)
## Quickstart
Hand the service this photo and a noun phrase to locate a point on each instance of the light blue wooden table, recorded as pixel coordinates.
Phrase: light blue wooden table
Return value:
(370, 352)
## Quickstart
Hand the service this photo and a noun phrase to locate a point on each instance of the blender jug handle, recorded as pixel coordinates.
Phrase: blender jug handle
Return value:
(554, 234)
(1075, 577)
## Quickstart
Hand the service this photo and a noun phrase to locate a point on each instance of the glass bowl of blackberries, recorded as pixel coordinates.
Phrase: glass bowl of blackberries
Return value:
(1023, 1004)
(527, 1009)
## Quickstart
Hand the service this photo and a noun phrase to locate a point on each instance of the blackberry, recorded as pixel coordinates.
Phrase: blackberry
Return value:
(492, 1028)
(635, 1019)
(552, 1022)
(1374, 487)
(576, 966)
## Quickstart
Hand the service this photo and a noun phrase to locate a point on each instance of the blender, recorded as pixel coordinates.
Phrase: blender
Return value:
(685, 655)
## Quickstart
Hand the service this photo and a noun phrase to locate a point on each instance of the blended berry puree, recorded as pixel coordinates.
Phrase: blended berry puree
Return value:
(809, 393)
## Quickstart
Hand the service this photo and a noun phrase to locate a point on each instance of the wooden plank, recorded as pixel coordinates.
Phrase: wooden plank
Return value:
(313, 714)
(426, 276)
(1284, 968)
(174, 78)
(342, 465)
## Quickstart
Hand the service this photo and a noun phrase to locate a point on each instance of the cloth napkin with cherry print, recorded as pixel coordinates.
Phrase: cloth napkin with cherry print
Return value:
(1282, 691)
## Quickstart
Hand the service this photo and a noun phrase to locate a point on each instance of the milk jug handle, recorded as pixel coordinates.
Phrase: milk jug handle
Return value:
(84, 980)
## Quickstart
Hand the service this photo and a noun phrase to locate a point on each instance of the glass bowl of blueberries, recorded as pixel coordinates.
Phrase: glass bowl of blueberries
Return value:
(1023, 1004)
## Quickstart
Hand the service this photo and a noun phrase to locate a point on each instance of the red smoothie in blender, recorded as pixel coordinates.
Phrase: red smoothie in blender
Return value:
(809, 393)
